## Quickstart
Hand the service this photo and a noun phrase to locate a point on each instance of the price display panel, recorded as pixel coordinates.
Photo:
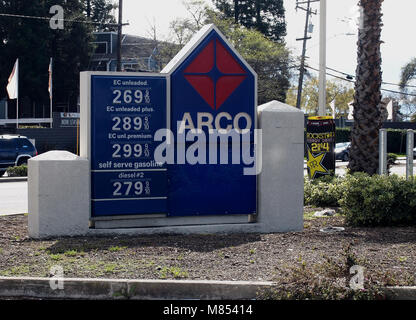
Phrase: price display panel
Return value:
(126, 112)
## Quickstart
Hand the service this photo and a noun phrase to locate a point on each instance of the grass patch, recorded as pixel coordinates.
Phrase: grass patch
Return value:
(56, 257)
(117, 248)
(74, 253)
(110, 268)
(175, 272)
(15, 271)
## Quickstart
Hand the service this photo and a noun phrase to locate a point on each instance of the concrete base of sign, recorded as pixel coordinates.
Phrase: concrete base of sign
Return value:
(156, 220)
(59, 195)
(280, 184)
(58, 192)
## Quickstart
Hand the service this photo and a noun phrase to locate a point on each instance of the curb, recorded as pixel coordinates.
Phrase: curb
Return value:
(13, 179)
(400, 293)
(122, 289)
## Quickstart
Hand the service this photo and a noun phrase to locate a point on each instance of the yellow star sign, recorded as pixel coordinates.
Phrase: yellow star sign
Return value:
(314, 164)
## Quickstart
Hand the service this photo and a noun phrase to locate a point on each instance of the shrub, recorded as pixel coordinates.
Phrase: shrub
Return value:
(391, 158)
(366, 200)
(378, 200)
(328, 280)
(323, 192)
(20, 171)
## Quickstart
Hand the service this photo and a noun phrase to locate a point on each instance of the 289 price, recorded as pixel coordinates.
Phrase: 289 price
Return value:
(128, 123)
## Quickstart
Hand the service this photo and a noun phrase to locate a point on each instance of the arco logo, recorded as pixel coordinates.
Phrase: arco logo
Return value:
(215, 74)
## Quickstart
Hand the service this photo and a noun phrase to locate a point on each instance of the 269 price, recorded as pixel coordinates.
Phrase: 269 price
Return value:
(128, 96)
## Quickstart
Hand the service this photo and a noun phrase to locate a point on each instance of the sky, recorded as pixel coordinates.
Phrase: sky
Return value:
(397, 49)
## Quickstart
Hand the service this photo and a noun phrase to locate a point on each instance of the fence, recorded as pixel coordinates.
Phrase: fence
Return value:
(48, 138)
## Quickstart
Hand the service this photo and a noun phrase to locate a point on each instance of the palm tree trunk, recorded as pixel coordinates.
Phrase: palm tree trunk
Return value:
(367, 98)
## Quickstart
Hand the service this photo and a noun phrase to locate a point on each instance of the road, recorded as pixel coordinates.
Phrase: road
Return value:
(13, 197)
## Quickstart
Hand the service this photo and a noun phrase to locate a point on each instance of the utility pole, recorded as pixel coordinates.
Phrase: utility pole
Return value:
(305, 38)
(89, 8)
(236, 11)
(120, 33)
(322, 59)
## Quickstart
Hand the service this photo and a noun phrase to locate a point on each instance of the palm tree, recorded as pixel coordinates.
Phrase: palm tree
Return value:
(408, 101)
(408, 73)
(367, 97)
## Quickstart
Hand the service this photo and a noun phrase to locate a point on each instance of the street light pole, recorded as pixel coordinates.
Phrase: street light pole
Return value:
(322, 60)
(120, 34)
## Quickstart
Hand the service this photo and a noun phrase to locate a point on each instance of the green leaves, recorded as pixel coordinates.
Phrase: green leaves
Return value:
(367, 200)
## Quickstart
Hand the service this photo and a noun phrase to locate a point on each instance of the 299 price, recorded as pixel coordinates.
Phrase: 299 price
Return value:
(130, 150)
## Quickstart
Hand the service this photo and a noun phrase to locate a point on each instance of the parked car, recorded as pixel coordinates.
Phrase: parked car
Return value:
(15, 150)
(342, 151)
(414, 152)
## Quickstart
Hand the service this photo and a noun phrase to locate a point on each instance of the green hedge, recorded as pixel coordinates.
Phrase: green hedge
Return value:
(20, 171)
(366, 200)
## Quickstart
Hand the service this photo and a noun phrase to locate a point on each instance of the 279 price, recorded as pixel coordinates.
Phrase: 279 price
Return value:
(129, 150)
(127, 188)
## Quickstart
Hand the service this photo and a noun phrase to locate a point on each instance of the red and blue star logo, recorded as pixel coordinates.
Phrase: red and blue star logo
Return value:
(215, 74)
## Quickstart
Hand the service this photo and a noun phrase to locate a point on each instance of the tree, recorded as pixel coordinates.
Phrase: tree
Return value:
(100, 11)
(34, 42)
(269, 59)
(367, 97)
(266, 16)
(338, 94)
(408, 97)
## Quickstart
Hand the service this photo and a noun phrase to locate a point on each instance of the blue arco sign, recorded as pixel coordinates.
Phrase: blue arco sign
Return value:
(206, 87)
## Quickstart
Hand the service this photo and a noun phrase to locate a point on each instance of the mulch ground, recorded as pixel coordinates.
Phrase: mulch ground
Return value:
(388, 254)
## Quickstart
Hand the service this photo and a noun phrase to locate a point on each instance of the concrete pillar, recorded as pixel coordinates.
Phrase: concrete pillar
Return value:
(58, 195)
(280, 184)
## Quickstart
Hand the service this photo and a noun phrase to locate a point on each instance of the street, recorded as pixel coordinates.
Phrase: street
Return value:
(13, 197)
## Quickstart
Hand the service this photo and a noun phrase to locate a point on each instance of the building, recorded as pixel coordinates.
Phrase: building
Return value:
(137, 53)
(390, 110)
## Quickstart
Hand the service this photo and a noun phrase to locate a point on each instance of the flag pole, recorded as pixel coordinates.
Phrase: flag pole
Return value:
(51, 94)
(17, 96)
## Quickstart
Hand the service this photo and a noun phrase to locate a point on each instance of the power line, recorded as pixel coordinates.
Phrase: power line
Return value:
(49, 18)
(352, 81)
(383, 82)
(351, 76)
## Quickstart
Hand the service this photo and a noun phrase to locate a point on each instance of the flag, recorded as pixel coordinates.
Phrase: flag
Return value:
(13, 84)
(50, 79)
